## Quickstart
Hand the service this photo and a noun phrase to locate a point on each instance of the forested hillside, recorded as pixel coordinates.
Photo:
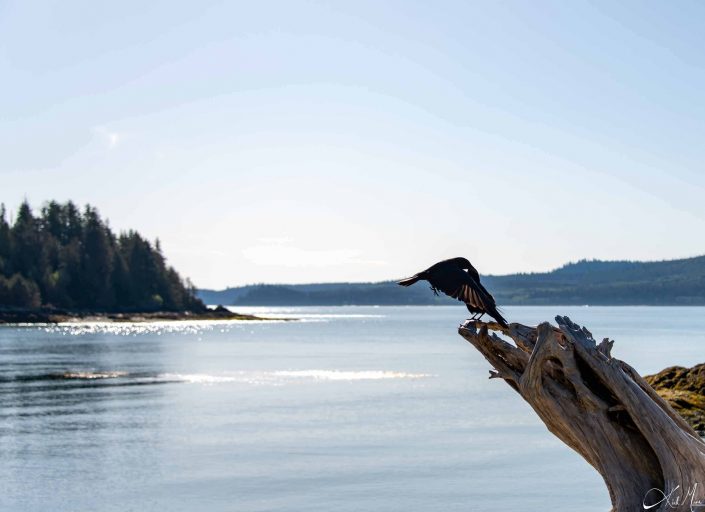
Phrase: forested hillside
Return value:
(674, 282)
(65, 258)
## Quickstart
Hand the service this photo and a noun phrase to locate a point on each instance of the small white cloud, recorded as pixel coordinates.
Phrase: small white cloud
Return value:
(109, 138)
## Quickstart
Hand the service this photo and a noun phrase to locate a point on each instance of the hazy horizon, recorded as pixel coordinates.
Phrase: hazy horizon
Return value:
(304, 142)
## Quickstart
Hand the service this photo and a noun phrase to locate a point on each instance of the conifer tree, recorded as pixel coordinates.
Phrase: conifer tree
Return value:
(72, 260)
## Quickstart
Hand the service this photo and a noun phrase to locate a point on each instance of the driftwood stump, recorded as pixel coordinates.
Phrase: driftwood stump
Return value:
(648, 456)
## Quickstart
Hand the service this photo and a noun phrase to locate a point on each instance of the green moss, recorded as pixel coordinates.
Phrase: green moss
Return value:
(684, 389)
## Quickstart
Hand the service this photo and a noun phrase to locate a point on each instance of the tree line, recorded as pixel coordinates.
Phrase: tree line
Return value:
(70, 259)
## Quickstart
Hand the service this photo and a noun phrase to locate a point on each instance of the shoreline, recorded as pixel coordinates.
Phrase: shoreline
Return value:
(56, 317)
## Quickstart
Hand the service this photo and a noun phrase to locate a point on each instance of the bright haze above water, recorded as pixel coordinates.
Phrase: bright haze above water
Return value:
(299, 141)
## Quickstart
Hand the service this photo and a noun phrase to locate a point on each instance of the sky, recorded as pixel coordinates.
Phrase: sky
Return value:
(300, 141)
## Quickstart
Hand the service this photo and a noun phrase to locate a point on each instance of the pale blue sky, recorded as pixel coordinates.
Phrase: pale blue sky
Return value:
(327, 141)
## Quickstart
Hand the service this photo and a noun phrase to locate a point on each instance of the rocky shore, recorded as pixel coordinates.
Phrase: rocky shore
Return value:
(60, 316)
(684, 389)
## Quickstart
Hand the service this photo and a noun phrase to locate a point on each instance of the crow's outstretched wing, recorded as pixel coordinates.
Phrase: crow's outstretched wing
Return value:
(474, 294)
(460, 285)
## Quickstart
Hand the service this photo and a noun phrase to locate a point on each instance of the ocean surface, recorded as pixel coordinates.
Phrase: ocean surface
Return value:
(346, 409)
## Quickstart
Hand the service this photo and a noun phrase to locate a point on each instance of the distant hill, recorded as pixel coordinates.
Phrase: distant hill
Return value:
(594, 282)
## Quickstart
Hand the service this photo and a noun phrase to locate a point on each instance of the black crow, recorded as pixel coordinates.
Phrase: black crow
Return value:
(457, 278)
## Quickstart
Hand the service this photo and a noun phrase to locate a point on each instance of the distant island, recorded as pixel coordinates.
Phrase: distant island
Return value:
(588, 282)
(68, 264)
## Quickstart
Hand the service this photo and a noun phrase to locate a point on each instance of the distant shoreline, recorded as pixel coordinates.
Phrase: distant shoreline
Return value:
(460, 304)
(55, 317)
(605, 283)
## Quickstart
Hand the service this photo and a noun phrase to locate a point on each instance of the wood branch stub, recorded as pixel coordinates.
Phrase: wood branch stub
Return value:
(601, 408)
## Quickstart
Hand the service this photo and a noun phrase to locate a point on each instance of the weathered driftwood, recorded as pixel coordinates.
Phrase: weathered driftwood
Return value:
(648, 456)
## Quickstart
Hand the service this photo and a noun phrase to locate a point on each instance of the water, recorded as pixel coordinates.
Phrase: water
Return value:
(349, 409)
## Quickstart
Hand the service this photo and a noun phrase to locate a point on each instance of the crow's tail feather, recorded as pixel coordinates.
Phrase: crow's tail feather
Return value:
(497, 316)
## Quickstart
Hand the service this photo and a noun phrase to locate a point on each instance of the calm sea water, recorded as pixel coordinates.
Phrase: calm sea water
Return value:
(349, 409)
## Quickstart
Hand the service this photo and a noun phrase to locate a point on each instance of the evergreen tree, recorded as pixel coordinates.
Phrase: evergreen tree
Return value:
(24, 292)
(68, 259)
(27, 248)
(96, 262)
(5, 245)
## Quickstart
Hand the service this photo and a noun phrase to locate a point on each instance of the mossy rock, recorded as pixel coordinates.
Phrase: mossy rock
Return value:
(684, 389)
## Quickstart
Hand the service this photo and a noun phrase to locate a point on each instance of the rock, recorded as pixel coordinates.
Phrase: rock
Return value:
(684, 389)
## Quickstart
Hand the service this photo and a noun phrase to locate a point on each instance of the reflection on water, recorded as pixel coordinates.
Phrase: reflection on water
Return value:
(353, 408)
(185, 327)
